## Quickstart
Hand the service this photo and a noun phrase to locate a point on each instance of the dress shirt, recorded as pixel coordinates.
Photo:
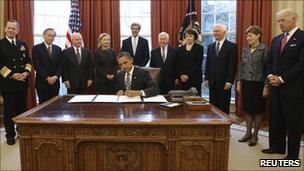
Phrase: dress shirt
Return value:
(131, 76)
(165, 52)
(10, 40)
(134, 43)
(221, 43)
(75, 49)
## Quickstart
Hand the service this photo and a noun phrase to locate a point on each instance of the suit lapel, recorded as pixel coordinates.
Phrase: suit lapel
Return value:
(73, 54)
(134, 78)
(292, 40)
(45, 51)
(131, 45)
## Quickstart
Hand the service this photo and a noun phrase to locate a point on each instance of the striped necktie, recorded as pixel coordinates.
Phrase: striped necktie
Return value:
(128, 81)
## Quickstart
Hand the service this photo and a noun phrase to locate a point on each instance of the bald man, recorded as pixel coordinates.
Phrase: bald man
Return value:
(220, 68)
(78, 67)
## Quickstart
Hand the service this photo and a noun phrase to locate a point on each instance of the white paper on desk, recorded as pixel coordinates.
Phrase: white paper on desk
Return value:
(106, 98)
(126, 99)
(158, 99)
(82, 99)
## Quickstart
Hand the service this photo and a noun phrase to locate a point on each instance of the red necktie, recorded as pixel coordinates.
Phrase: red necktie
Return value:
(283, 42)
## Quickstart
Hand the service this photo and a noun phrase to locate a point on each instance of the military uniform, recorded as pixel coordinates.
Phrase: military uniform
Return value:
(14, 58)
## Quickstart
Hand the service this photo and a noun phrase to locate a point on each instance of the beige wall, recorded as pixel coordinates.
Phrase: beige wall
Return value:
(1, 18)
(296, 5)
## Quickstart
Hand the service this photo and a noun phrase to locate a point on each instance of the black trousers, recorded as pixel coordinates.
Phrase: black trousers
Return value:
(220, 97)
(285, 118)
(46, 94)
(14, 104)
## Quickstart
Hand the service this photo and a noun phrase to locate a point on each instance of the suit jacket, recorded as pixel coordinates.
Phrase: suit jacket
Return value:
(190, 63)
(141, 80)
(289, 64)
(105, 62)
(221, 69)
(141, 57)
(168, 72)
(13, 59)
(47, 66)
(78, 75)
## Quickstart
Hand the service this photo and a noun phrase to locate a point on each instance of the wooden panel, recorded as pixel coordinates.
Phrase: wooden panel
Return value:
(120, 156)
(48, 155)
(194, 155)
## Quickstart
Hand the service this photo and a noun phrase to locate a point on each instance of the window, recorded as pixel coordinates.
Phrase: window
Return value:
(213, 12)
(135, 11)
(54, 14)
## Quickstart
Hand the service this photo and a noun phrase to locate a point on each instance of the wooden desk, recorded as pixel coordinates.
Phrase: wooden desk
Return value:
(134, 136)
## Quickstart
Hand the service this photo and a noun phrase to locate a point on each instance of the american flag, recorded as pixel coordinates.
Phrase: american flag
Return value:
(74, 22)
(190, 20)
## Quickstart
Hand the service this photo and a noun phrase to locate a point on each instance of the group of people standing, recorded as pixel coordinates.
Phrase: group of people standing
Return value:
(276, 71)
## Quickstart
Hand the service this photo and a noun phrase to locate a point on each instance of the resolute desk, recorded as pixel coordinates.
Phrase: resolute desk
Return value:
(128, 136)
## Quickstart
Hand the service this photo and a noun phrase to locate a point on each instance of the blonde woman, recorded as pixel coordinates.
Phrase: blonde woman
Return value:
(105, 64)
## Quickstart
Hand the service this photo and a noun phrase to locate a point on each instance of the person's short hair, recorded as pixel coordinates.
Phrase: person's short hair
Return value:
(136, 24)
(191, 31)
(222, 26)
(163, 33)
(49, 29)
(289, 12)
(76, 34)
(124, 54)
(13, 21)
(254, 29)
(100, 37)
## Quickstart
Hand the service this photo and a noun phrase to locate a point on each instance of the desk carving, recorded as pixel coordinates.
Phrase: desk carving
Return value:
(147, 138)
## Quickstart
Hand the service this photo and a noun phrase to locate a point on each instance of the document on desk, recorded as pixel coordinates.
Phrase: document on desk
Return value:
(82, 99)
(106, 98)
(116, 99)
(126, 99)
(155, 99)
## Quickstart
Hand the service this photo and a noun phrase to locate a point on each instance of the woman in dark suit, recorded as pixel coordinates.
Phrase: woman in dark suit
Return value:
(105, 64)
(190, 59)
(251, 83)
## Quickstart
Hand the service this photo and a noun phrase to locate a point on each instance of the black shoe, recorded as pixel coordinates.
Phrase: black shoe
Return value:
(245, 138)
(10, 141)
(272, 151)
(290, 158)
(253, 141)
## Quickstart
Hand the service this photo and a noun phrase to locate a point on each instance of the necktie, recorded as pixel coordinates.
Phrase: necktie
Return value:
(163, 54)
(49, 51)
(283, 42)
(128, 82)
(78, 56)
(134, 46)
(13, 42)
(217, 48)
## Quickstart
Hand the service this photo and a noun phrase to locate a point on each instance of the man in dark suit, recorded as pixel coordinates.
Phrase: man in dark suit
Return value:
(132, 80)
(48, 63)
(285, 73)
(15, 68)
(78, 68)
(165, 57)
(220, 68)
(137, 46)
